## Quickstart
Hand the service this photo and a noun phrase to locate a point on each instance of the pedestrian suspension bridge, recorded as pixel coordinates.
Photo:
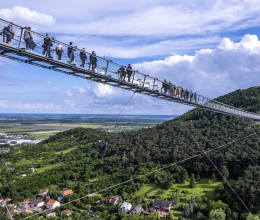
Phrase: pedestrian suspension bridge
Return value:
(106, 73)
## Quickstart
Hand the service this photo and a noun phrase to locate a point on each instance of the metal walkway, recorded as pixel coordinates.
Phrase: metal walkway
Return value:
(107, 73)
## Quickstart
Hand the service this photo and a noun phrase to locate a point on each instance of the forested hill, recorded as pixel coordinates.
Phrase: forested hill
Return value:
(99, 159)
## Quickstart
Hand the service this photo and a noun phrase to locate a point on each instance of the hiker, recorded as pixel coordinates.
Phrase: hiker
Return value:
(93, 60)
(191, 96)
(71, 53)
(122, 73)
(8, 31)
(195, 97)
(171, 88)
(165, 86)
(83, 57)
(27, 36)
(129, 72)
(59, 51)
(187, 94)
(47, 46)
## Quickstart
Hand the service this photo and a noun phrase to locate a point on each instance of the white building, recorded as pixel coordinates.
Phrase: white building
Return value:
(126, 207)
(52, 204)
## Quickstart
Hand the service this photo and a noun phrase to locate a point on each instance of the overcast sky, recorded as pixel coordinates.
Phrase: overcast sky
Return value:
(210, 47)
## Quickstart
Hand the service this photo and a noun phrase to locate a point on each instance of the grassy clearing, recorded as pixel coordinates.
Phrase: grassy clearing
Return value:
(203, 188)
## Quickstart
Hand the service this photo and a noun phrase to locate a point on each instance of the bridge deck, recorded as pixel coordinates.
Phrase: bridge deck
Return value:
(139, 82)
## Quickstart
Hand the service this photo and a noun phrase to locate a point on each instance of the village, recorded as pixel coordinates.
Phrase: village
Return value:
(45, 206)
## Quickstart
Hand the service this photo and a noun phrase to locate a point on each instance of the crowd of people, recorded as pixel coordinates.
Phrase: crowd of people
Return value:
(178, 91)
(167, 87)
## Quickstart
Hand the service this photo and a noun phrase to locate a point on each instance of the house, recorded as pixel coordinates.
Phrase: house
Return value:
(25, 203)
(9, 216)
(161, 206)
(67, 192)
(90, 213)
(4, 202)
(126, 207)
(50, 215)
(27, 211)
(67, 212)
(52, 204)
(23, 175)
(137, 209)
(113, 199)
(10, 169)
(8, 164)
(37, 203)
(41, 196)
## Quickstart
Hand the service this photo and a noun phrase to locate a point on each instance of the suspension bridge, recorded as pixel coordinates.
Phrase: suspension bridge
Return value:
(106, 73)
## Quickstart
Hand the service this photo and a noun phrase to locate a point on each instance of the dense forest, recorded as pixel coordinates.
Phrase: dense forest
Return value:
(98, 159)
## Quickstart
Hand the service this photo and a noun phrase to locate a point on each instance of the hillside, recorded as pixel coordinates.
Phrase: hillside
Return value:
(79, 159)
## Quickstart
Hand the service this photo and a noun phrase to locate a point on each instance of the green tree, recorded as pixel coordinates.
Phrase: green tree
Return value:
(157, 215)
(213, 178)
(192, 181)
(224, 170)
(251, 217)
(175, 198)
(217, 214)
(200, 216)
(186, 211)
(198, 177)
(171, 216)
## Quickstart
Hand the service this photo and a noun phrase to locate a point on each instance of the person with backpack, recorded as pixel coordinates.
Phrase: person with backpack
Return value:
(8, 32)
(27, 36)
(71, 52)
(129, 72)
(83, 57)
(165, 86)
(47, 44)
(59, 51)
(121, 73)
(93, 61)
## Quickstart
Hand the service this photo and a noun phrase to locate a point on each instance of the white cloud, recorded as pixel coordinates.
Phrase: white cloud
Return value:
(28, 106)
(23, 16)
(228, 67)
(68, 93)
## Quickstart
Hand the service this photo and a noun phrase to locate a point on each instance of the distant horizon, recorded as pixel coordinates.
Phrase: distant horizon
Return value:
(84, 114)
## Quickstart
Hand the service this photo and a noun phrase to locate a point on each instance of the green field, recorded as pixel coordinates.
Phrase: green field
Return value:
(203, 188)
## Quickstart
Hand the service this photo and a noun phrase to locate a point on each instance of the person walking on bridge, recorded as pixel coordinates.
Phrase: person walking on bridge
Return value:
(165, 86)
(59, 51)
(71, 53)
(47, 46)
(122, 73)
(83, 57)
(93, 61)
(8, 31)
(129, 72)
(27, 36)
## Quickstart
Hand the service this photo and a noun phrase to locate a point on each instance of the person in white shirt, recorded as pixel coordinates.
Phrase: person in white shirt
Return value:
(59, 51)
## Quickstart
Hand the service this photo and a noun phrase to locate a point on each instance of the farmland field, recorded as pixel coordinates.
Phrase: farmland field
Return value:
(39, 126)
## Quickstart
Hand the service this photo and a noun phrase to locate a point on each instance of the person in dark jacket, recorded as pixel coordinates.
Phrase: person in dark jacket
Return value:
(122, 73)
(129, 72)
(93, 60)
(165, 86)
(71, 53)
(47, 46)
(83, 57)
(27, 36)
(9, 33)
(191, 96)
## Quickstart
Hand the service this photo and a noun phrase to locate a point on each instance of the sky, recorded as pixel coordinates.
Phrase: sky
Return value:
(208, 46)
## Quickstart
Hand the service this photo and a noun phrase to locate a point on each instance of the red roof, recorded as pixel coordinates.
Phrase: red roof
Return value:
(67, 211)
(68, 192)
(51, 202)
